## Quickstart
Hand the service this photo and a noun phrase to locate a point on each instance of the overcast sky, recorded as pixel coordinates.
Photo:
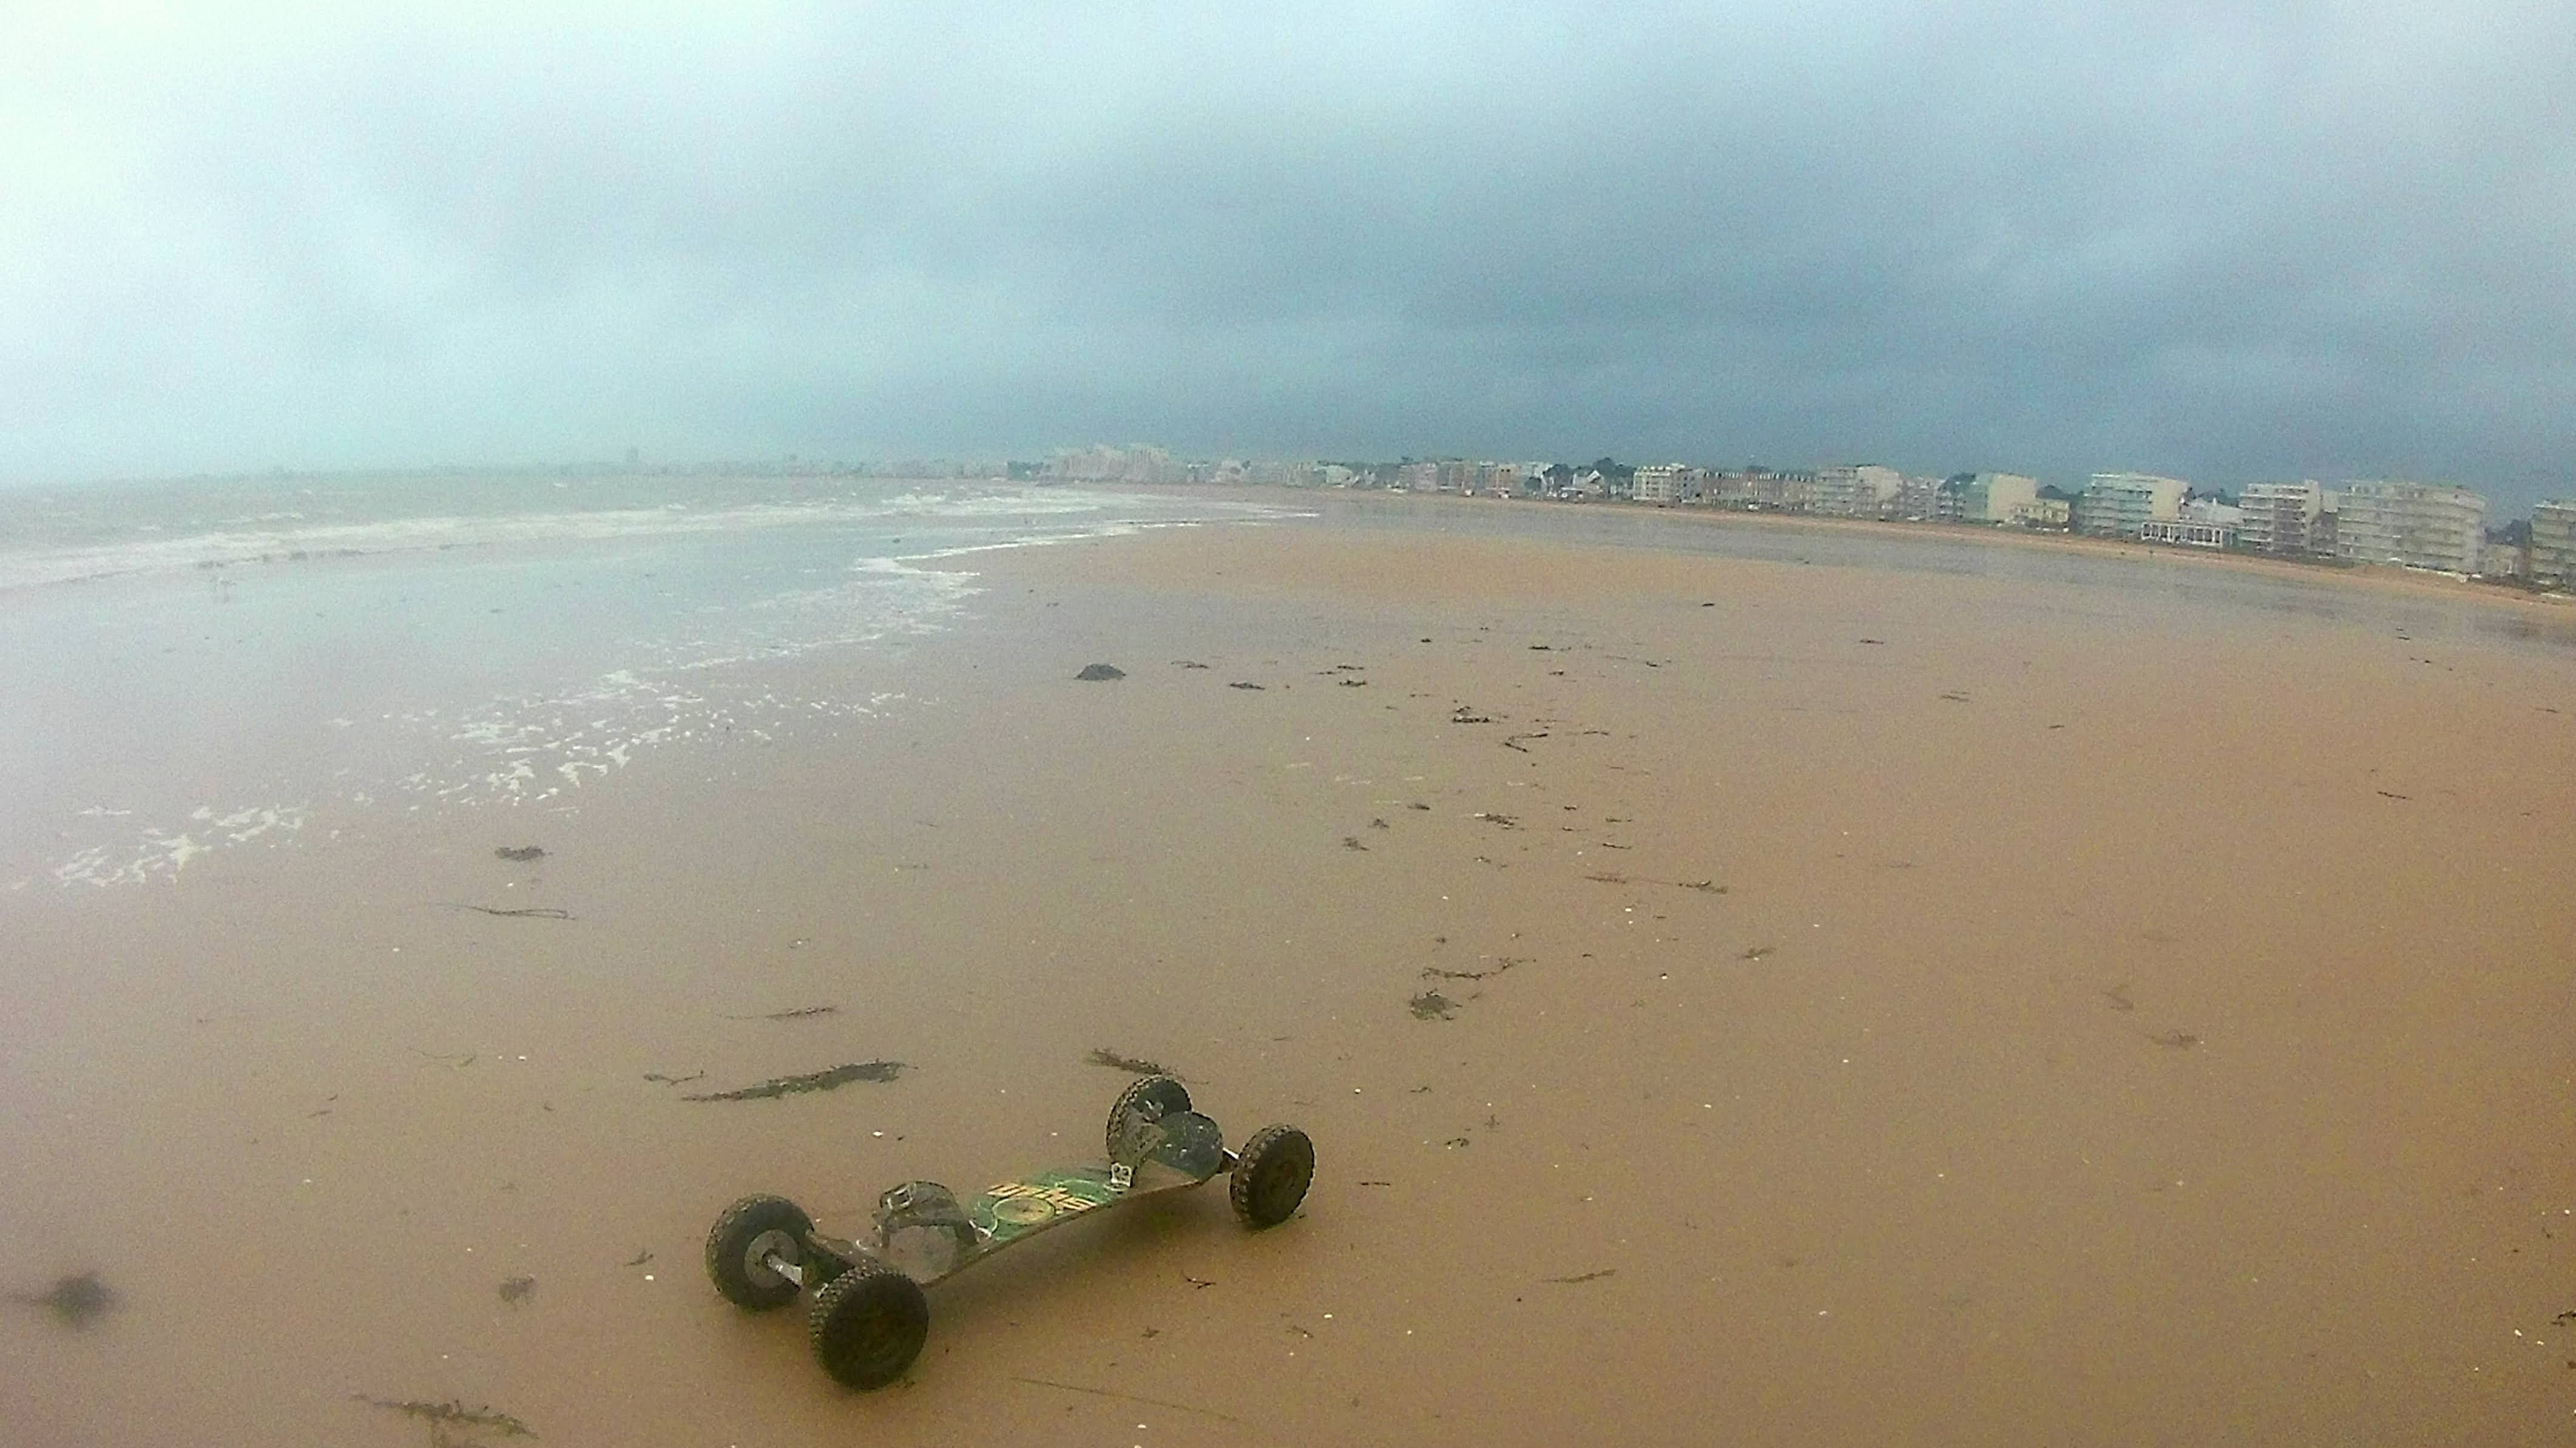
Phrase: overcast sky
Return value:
(2226, 241)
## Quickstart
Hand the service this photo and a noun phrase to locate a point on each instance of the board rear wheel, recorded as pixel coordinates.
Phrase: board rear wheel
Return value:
(1271, 1174)
(868, 1325)
(748, 1232)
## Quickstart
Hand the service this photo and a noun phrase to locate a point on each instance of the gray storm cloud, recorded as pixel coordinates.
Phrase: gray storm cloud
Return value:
(2226, 241)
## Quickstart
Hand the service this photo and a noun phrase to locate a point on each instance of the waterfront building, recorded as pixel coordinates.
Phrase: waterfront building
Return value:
(2197, 524)
(2187, 532)
(1863, 491)
(1660, 482)
(2553, 544)
(1878, 489)
(1762, 489)
(2120, 504)
(1838, 492)
(2284, 518)
(1996, 497)
(2503, 560)
(1137, 463)
(2413, 525)
(2051, 511)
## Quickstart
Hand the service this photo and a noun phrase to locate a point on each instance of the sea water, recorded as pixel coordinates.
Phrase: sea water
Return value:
(201, 666)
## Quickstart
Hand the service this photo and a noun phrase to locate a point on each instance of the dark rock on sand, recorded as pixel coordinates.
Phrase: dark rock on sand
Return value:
(75, 1300)
(1100, 673)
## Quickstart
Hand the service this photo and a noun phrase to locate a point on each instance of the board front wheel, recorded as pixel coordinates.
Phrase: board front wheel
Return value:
(1146, 1100)
(1270, 1175)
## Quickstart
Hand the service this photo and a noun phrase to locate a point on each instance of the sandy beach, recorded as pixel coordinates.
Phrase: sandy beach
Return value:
(1733, 1000)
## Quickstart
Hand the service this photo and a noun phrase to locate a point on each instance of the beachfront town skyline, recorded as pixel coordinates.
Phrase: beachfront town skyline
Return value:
(2432, 527)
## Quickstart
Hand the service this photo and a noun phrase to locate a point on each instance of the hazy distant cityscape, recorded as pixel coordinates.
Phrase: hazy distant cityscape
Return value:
(2431, 527)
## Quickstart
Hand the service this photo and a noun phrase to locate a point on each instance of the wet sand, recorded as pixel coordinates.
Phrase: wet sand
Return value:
(1891, 1008)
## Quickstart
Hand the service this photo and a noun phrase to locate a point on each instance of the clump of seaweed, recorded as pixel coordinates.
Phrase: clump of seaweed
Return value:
(1433, 972)
(520, 853)
(826, 1080)
(1431, 1005)
(798, 1014)
(452, 1414)
(524, 912)
(76, 1299)
(515, 1290)
(1102, 1056)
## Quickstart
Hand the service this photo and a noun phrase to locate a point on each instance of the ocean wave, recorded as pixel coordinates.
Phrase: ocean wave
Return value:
(150, 551)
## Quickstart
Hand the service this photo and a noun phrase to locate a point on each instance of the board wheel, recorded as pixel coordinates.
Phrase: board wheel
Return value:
(1147, 1099)
(1271, 1174)
(748, 1232)
(867, 1325)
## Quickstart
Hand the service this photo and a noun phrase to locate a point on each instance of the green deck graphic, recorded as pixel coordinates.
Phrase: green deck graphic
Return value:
(1011, 1210)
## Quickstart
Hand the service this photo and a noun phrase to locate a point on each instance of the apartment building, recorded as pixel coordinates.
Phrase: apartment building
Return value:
(2120, 504)
(2051, 511)
(2284, 518)
(1864, 491)
(2553, 544)
(2413, 525)
(1994, 497)
(1660, 482)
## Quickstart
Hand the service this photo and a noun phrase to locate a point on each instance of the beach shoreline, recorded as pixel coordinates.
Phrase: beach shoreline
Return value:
(1835, 1004)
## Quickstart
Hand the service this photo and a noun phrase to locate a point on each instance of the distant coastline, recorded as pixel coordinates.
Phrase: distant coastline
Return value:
(2367, 575)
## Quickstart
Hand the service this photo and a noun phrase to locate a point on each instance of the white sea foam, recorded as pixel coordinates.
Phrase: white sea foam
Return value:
(160, 853)
(533, 748)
